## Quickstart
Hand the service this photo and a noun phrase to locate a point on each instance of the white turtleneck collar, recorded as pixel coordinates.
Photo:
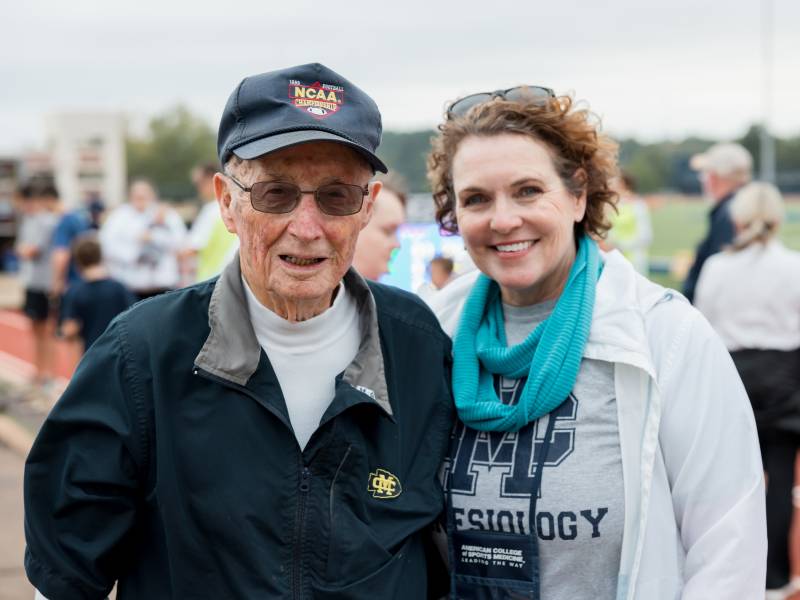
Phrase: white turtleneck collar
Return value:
(328, 341)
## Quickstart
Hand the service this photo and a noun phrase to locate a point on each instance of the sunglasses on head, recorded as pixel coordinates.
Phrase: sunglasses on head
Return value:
(280, 197)
(520, 93)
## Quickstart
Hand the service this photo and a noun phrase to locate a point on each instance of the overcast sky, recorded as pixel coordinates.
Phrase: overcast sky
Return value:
(650, 68)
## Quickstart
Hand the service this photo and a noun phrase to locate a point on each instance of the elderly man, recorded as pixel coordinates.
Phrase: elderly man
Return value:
(723, 169)
(275, 432)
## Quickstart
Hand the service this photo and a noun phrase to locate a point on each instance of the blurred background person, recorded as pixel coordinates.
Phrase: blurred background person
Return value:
(140, 241)
(71, 225)
(750, 294)
(210, 246)
(441, 271)
(378, 240)
(90, 305)
(38, 205)
(723, 169)
(631, 231)
(96, 209)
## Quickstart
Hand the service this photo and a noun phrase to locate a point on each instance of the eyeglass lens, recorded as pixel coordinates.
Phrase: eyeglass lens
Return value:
(336, 199)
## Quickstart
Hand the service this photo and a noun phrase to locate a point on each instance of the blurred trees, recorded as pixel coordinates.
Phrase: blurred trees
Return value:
(656, 166)
(175, 141)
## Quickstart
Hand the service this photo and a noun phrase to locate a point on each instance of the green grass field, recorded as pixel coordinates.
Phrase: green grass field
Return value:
(679, 224)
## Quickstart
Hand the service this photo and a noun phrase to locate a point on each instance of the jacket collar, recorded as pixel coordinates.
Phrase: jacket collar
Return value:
(232, 352)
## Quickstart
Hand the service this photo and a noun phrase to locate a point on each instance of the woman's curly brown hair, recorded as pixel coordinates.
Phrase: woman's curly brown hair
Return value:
(584, 158)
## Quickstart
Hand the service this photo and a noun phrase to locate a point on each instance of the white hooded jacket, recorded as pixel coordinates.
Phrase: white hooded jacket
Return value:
(695, 520)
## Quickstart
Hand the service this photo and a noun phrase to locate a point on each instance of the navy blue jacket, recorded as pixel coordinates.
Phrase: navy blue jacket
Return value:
(720, 233)
(170, 466)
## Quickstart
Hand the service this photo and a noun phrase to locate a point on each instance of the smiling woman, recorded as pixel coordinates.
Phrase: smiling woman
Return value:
(580, 450)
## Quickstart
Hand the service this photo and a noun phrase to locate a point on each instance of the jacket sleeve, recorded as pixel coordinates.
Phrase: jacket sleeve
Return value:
(710, 447)
(84, 478)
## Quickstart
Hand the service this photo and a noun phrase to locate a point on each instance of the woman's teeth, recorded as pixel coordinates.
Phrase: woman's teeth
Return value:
(516, 247)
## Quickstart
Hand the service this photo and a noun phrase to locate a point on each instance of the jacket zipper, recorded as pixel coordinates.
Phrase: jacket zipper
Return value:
(305, 477)
(297, 577)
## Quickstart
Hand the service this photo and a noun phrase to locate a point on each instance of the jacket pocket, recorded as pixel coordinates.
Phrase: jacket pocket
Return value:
(401, 576)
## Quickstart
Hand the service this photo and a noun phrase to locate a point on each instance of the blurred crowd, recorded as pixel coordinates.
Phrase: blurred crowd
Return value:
(80, 268)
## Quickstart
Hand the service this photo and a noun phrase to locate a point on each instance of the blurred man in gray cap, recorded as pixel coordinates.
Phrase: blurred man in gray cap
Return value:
(275, 432)
(722, 169)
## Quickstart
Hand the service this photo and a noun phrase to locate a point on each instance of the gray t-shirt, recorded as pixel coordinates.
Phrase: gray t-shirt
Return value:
(37, 230)
(580, 513)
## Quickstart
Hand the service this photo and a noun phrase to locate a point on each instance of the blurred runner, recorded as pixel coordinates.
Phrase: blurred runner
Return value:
(90, 305)
(140, 241)
(723, 169)
(378, 240)
(38, 204)
(209, 241)
(631, 231)
(751, 295)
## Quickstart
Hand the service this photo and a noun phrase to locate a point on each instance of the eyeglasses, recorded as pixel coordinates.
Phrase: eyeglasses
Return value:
(279, 197)
(521, 93)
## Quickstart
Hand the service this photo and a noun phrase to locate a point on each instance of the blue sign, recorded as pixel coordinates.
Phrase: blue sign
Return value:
(419, 243)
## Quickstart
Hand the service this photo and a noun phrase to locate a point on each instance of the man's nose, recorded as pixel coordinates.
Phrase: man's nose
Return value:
(306, 219)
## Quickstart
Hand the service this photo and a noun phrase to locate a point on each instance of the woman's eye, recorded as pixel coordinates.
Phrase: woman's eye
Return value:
(529, 190)
(473, 200)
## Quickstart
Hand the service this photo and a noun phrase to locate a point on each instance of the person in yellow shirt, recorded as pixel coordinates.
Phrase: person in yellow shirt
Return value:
(209, 243)
(631, 232)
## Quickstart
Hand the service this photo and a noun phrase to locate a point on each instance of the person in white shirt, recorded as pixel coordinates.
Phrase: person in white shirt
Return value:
(141, 239)
(750, 293)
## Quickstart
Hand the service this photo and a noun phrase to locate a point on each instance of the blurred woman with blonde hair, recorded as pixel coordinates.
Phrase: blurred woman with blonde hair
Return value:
(751, 295)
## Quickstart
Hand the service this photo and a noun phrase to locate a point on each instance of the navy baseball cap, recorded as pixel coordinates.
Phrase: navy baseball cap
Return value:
(307, 103)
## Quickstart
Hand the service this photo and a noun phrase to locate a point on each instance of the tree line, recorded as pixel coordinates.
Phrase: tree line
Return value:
(177, 140)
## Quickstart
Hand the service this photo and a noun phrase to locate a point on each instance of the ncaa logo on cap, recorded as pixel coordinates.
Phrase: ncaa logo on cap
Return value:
(318, 99)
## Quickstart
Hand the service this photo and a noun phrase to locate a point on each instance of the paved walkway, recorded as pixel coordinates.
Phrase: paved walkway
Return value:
(13, 583)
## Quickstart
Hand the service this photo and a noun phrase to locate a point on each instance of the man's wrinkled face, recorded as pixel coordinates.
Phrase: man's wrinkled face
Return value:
(301, 256)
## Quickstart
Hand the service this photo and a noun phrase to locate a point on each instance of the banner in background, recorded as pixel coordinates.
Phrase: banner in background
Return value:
(419, 243)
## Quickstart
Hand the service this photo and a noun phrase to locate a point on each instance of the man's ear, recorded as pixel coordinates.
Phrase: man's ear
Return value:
(375, 188)
(222, 191)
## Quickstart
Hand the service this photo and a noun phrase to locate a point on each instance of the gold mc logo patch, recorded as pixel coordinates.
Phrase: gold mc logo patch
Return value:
(383, 485)
(320, 100)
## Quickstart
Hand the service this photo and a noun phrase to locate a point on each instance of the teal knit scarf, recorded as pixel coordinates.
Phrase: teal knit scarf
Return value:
(550, 356)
